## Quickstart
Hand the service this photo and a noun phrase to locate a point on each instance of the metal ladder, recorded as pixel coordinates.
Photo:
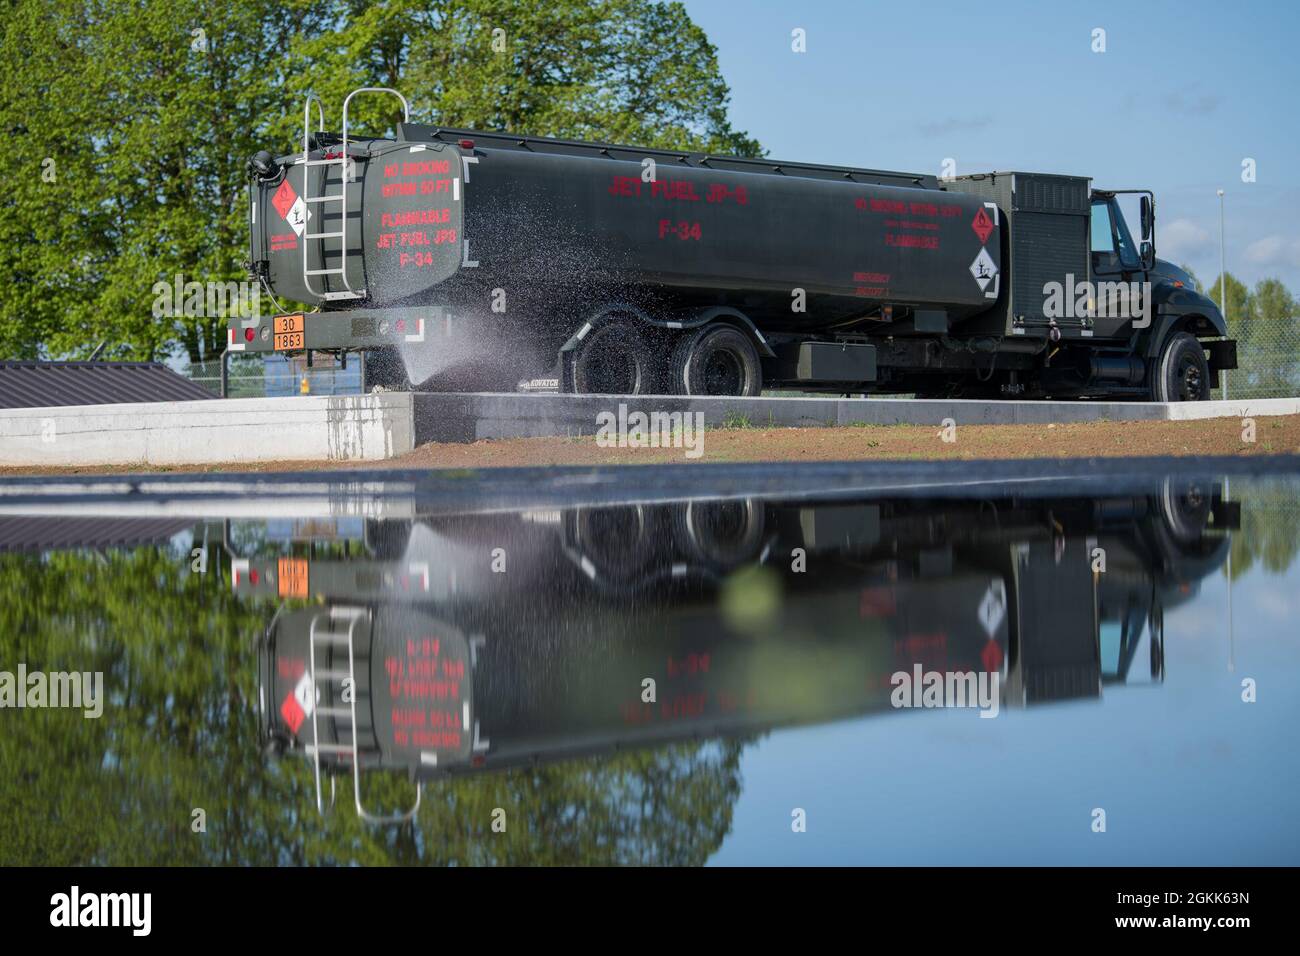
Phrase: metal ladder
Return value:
(307, 163)
(324, 631)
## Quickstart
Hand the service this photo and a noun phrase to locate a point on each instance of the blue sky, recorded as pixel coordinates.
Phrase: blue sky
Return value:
(1182, 95)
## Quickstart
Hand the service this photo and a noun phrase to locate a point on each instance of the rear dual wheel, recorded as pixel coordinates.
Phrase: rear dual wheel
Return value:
(616, 358)
(716, 360)
(625, 358)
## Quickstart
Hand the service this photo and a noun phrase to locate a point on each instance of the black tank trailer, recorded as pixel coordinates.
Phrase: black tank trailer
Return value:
(470, 259)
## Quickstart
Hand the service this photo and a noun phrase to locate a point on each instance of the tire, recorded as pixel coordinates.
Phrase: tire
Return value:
(721, 534)
(618, 541)
(1180, 373)
(384, 369)
(616, 359)
(1185, 510)
(716, 360)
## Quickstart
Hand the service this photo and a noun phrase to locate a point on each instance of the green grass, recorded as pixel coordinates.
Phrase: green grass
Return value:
(735, 419)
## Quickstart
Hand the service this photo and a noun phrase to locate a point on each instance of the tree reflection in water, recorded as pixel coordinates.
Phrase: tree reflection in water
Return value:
(180, 732)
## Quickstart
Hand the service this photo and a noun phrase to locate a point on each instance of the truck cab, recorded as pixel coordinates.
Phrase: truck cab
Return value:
(1173, 315)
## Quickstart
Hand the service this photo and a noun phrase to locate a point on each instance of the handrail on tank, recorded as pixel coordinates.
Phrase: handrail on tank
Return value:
(306, 177)
(406, 107)
(306, 121)
(350, 616)
(343, 228)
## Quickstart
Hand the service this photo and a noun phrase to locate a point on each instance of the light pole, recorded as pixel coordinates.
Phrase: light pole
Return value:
(1223, 287)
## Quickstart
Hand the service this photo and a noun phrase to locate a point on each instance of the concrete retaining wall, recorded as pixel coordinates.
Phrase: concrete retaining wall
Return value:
(307, 428)
(463, 417)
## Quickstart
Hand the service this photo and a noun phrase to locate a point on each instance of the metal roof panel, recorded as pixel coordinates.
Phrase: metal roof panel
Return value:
(56, 384)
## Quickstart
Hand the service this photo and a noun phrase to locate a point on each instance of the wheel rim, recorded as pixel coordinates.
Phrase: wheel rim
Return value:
(1190, 381)
(1185, 509)
(723, 373)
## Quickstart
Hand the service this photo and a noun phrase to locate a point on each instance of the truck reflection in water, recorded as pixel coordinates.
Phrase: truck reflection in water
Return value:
(465, 644)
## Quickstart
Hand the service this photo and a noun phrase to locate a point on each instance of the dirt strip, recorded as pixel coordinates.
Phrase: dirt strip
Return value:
(1219, 436)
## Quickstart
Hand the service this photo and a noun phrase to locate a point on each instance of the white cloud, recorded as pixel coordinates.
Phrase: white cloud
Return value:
(1274, 251)
(1183, 239)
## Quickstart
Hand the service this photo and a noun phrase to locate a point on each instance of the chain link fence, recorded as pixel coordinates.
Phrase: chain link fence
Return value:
(1268, 359)
(252, 376)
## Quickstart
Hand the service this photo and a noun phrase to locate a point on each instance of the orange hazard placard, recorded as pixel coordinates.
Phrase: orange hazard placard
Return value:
(289, 335)
(292, 573)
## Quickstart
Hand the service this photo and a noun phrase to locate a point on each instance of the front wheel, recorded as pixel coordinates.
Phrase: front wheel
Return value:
(1180, 373)
(717, 360)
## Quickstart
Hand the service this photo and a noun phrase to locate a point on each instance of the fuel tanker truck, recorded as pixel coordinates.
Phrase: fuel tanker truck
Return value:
(456, 669)
(463, 259)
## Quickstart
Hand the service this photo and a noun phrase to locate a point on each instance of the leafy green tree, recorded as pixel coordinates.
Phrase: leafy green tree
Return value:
(1240, 308)
(137, 119)
(624, 70)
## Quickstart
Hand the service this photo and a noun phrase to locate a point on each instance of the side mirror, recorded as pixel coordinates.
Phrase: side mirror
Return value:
(1148, 219)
